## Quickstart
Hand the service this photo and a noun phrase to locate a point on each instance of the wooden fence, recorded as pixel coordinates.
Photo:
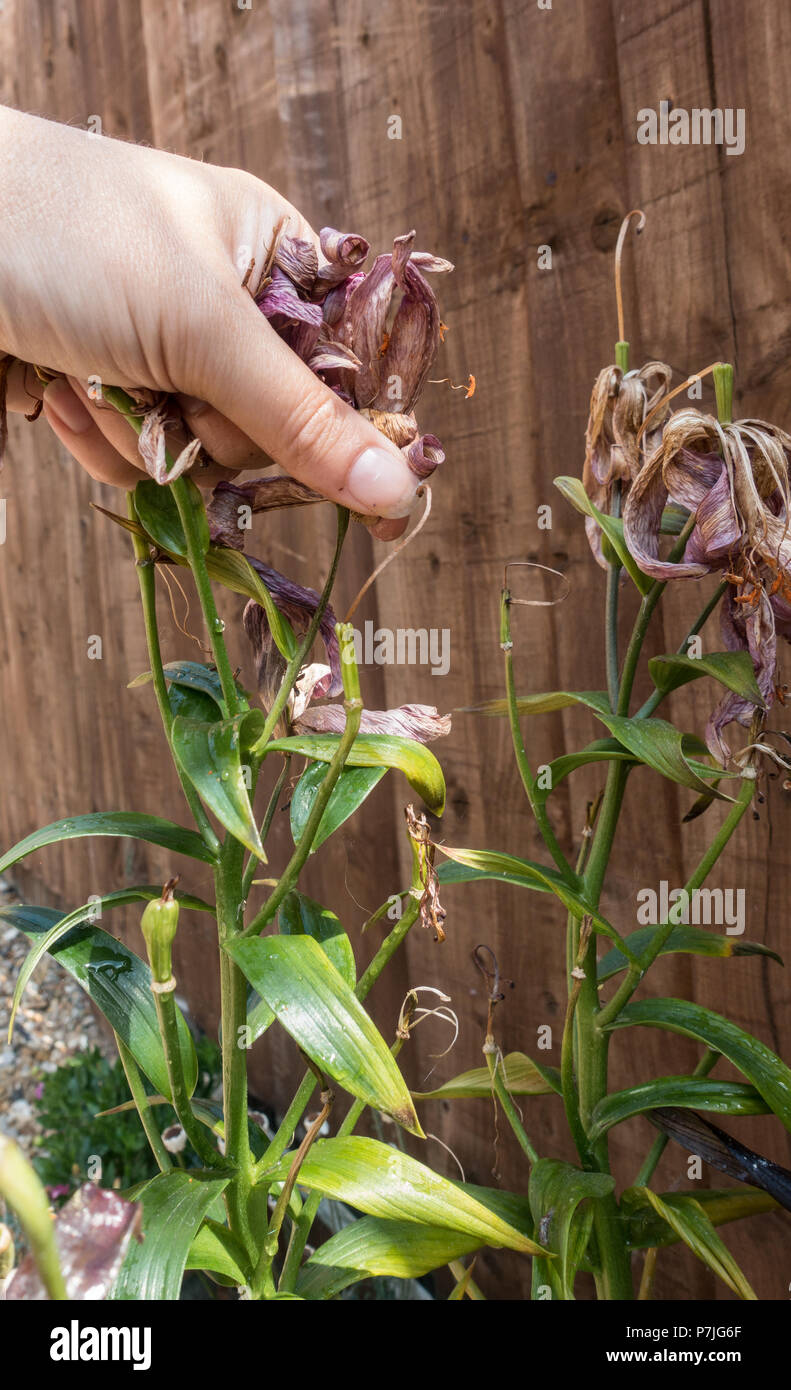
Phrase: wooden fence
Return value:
(518, 131)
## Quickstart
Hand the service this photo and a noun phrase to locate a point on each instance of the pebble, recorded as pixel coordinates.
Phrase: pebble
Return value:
(37, 1049)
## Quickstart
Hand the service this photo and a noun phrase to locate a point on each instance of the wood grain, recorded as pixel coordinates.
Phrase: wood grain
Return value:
(518, 131)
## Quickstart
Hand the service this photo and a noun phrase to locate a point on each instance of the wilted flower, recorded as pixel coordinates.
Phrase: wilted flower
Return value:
(345, 324)
(620, 402)
(734, 480)
(92, 1233)
(422, 723)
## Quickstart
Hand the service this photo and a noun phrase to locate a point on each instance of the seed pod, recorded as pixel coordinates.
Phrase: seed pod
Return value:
(159, 923)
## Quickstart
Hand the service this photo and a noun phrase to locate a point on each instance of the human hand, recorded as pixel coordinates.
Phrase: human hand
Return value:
(125, 264)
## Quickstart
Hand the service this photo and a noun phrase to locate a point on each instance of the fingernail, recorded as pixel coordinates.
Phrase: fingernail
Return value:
(381, 483)
(192, 405)
(69, 409)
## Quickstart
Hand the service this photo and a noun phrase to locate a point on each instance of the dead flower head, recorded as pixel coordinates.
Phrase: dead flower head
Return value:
(734, 480)
(620, 402)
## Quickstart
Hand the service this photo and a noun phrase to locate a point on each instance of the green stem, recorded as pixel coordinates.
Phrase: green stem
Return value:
(288, 878)
(298, 660)
(200, 574)
(145, 574)
(234, 1056)
(635, 973)
(140, 1098)
(168, 1028)
(537, 806)
(704, 1066)
(611, 626)
(645, 613)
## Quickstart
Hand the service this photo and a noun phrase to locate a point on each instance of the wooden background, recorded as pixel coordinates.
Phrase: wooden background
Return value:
(518, 131)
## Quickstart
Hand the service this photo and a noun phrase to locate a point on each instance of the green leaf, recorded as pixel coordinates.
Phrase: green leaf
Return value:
(193, 705)
(481, 863)
(317, 1007)
(693, 941)
(734, 670)
(349, 792)
(233, 570)
(691, 1092)
(601, 750)
(561, 1200)
(217, 1249)
(418, 763)
(653, 742)
(522, 1077)
(688, 1219)
(612, 527)
(770, 1077)
(211, 755)
(383, 1181)
(372, 1246)
(174, 1205)
(301, 916)
(119, 984)
(647, 1229)
(91, 912)
(158, 514)
(125, 823)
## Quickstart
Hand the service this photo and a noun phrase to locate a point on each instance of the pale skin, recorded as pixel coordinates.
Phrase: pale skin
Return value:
(126, 264)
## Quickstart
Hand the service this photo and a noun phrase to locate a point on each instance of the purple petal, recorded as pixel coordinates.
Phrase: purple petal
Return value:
(280, 298)
(424, 455)
(642, 517)
(756, 633)
(92, 1232)
(344, 253)
(298, 605)
(298, 260)
(260, 495)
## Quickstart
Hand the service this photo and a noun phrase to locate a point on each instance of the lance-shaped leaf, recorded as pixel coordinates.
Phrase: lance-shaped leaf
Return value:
(301, 916)
(646, 1229)
(349, 792)
(693, 941)
(507, 868)
(158, 514)
(722, 1151)
(522, 1077)
(601, 750)
(216, 758)
(92, 1232)
(653, 742)
(217, 1249)
(118, 983)
(770, 1077)
(692, 1092)
(612, 527)
(418, 763)
(688, 1219)
(124, 823)
(318, 1008)
(233, 570)
(734, 670)
(174, 1205)
(561, 1200)
(383, 1181)
(372, 1246)
(90, 912)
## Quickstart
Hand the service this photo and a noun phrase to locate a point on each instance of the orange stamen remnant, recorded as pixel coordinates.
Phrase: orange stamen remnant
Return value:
(443, 328)
(469, 389)
(383, 346)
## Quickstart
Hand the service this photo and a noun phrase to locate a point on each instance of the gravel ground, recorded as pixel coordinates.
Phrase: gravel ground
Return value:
(53, 1022)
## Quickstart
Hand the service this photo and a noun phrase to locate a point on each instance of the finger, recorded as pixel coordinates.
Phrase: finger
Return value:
(80, 434)
(256, 381)
(123, 437)
(221, 438)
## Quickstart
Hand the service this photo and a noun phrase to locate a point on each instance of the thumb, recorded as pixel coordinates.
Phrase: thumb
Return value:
(272, 395)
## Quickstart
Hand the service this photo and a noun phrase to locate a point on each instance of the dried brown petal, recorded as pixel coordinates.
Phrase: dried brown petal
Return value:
(92, 1232)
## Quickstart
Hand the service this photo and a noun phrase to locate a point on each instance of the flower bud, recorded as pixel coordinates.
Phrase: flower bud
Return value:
(159, 923)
